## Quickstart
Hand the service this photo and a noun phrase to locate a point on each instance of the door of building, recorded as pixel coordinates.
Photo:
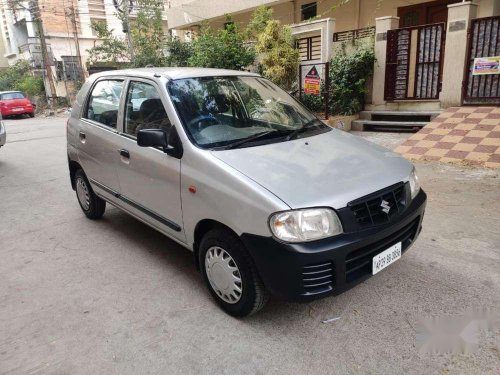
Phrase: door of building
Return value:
(424, 13)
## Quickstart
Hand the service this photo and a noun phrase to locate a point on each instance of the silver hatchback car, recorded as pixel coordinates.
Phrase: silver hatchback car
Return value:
(268, 198)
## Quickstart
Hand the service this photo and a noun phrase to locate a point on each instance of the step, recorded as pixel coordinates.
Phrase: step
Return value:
(368, 114)
(362, 124)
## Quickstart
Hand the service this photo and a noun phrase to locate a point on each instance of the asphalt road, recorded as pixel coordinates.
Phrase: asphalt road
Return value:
(116, 297)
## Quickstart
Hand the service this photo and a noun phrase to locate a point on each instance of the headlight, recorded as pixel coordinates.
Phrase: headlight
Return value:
(414, 184)
(305, 225)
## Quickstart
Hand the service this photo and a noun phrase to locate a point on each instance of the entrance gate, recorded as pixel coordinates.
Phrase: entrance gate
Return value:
(414, 62)
(484, 42)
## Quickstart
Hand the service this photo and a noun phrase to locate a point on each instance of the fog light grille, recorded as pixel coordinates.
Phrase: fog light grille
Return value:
(318, 278)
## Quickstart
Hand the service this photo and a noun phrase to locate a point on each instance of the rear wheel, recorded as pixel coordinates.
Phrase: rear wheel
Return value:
(92, 206)
(230, 274)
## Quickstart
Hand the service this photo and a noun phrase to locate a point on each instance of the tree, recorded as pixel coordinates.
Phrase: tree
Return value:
(19, 77)
(112, 49)
(179, 52)
(224, 48)
(260, 17)
(279, 57)
(148, 38)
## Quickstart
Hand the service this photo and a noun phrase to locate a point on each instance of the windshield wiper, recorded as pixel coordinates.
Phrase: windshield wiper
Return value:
(250, 139)
(303, 128)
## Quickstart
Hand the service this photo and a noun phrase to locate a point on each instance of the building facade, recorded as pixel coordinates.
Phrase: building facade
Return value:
(423, 48)
(68, 35)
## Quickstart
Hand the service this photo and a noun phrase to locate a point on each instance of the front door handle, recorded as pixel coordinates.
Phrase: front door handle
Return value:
(82, 136)
(124, 153)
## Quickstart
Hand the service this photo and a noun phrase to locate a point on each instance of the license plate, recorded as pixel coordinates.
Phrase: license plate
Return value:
(386, 257)
(18, 109)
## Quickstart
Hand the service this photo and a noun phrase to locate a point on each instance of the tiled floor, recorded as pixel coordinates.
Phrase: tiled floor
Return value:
(467, 135)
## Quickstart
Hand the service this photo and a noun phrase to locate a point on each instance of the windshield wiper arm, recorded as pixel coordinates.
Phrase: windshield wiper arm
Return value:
(249, 139)
(304, 127)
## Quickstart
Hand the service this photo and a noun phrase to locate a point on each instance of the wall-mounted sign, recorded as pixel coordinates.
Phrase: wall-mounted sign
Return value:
(486, 65)
(312, 82)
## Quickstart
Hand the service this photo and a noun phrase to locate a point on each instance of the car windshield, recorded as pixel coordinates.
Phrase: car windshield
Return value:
(11, 95)
(238, 111)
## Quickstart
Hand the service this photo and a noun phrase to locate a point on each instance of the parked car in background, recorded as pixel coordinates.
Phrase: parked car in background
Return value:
(3, 133)
(269, 199)
(15, 103)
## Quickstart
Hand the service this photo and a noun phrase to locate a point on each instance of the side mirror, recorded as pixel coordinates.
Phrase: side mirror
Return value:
(168, 142)
(152, 138)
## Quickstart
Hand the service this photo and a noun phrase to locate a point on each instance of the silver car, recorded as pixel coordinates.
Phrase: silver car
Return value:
(268, 198)
(3, 133)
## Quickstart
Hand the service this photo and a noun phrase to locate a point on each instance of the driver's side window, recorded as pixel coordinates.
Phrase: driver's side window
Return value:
(144, 109)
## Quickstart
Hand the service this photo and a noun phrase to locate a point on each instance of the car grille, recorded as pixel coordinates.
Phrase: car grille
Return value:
(318, 278)
(379, 207)
(358, 262)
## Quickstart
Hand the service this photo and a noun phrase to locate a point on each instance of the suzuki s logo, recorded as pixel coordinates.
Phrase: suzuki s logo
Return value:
(385, 206)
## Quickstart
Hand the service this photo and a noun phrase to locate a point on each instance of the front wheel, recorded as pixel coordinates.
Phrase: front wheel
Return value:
(32, 114)
(230, 274)
(92, 206)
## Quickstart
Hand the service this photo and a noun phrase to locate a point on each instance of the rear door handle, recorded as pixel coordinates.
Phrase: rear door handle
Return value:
(124, 153)
(82, 136)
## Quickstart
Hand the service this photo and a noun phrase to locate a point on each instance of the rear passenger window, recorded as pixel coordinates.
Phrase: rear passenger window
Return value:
(104, 102)
(144, 109)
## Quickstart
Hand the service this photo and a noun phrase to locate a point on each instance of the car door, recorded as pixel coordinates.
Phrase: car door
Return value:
(98, 139)
(149, 178)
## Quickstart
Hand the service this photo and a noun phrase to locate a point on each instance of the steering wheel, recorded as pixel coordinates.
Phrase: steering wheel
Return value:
(203, 118)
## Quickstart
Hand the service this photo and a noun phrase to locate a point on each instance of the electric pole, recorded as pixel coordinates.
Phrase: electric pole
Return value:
(77, 42)
(46, 63)
(126, 26)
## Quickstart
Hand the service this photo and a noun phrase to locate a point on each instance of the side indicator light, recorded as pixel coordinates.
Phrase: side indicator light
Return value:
(192, 189)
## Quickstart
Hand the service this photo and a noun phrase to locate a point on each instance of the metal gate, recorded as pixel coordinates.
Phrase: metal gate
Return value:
(414, 62)
(484, 41)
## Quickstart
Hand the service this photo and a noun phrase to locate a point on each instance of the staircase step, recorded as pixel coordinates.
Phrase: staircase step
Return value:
(400, 115)
(361, 124)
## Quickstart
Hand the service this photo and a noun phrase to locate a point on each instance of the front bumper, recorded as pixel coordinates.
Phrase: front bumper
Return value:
(307, 271)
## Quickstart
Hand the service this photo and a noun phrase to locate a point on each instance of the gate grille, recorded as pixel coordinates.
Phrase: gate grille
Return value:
(484, 41)
(414, 73)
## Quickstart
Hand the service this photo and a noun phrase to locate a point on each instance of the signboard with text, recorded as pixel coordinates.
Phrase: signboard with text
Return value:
(486, 65)
(312, 82)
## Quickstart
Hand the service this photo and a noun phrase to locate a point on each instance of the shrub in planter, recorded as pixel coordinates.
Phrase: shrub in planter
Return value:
(314, 103)
(349, 72)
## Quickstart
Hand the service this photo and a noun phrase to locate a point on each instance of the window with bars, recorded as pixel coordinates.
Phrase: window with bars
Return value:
(309, 48)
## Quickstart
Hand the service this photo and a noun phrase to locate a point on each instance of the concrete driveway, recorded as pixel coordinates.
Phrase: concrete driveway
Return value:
(116, 297)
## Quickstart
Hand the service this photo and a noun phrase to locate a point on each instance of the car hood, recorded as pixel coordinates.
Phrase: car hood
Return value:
(329, 169)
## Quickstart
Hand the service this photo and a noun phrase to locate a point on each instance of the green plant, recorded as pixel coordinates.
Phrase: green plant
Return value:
(224, 48)
(314, 103)
(19, 77)
(179, 52)
(349, 72)
(111, 49)
(31, 85)
(279, 59)
(148, 38)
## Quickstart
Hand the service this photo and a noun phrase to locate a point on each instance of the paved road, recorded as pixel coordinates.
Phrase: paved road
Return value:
(116, 297)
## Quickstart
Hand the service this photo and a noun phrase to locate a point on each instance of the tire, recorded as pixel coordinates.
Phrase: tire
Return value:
(92, 206)
(218, 244)
(32, 114)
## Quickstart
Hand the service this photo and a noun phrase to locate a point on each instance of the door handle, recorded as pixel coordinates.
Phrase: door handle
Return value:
(82, 136)
(124, 153)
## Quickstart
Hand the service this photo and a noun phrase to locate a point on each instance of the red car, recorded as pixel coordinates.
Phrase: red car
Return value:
(14, 103)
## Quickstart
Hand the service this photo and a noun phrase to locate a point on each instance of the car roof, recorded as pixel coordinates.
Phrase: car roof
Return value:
(173, 73)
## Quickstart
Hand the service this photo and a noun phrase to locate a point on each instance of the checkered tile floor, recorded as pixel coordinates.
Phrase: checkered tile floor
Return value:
(467, 135)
